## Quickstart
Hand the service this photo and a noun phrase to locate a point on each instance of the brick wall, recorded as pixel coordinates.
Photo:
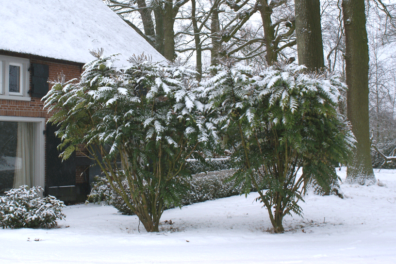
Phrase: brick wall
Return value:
(34, 108)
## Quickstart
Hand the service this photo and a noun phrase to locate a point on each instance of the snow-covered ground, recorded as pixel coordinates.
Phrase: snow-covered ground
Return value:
(358, 229)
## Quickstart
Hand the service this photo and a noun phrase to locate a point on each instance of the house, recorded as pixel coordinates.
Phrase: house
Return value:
(38, 40)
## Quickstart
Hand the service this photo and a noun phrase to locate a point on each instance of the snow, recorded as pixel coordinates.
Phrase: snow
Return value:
(358, 229)
(68, 30)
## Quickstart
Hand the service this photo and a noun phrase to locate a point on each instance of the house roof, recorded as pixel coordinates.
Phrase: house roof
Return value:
(68, 30)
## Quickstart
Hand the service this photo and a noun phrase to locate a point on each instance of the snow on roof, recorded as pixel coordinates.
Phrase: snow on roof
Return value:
(68, 30)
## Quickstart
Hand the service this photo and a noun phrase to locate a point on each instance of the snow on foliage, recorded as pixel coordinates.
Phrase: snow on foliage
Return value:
(148, 119)
(275, 122)
(23, 207)
(144, 120)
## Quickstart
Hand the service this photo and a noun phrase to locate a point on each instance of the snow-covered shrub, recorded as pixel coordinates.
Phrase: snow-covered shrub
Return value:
(144, 117)
(215, 164)
(102, 191)
(201, 187)
(276, 122)
(23, 207)
(210, 186)
(387, 149)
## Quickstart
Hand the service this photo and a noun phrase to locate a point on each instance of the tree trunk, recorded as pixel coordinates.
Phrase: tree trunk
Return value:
(309, 34)
(159, 28)
(147, 20)
(150, 224)
(269, 33)
(215, 36)
(197, 39)
(169, 35)
(357, 58)
(277, 223)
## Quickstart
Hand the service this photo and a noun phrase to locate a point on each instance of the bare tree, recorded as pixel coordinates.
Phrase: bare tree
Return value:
(357, 65)
(158, 30)
(275, 39)
(309, 34)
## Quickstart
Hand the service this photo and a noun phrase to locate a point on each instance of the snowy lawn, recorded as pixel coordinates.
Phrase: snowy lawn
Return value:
(358, 229)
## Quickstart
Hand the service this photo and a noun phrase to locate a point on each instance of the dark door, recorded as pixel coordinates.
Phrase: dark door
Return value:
(60, 175)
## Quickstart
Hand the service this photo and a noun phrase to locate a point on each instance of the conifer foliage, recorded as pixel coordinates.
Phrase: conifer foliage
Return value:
(275, 123)
(139, 124)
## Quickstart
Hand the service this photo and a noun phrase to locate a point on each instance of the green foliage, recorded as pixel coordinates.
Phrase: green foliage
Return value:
(201, 187)
(275, 123)
(145, 117)
(23, 207)
(217, 164)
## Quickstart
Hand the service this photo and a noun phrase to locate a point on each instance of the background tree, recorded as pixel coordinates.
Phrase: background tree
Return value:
(357, 69)
(333, 36)
(276, 39)
(215, 28)
(221, 26)
(309, 34)
(381, 31)
(158, 30)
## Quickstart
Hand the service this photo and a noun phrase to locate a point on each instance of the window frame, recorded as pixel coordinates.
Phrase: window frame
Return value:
(21, 86)
(5, 63)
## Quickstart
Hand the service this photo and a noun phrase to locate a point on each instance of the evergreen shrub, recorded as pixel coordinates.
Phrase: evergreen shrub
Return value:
(23, 207)
(140, 124)
(201, 187)
(276, 122)
(215, 164)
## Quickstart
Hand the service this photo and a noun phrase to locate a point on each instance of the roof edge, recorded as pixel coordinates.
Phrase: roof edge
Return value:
(38, 57)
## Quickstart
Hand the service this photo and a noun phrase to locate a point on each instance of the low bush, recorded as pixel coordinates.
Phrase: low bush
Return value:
(216, 164)
(23, 207)
(387, 149)
(210, 186)
(202, 187)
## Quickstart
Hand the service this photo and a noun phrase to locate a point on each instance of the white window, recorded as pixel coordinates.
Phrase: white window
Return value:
(14, 78)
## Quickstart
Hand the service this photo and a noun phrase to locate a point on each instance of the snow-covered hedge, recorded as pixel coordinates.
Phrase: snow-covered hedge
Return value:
(202, 187)
(215, 164)
(210, 186)
(23, 207)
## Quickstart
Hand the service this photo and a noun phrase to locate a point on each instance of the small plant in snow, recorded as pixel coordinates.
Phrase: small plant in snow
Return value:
(23, 207)
(275, 123)
(145, 117)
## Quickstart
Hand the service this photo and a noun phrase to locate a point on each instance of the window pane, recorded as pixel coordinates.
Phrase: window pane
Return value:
(17, 150)
(8, 155)
(15, 73)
